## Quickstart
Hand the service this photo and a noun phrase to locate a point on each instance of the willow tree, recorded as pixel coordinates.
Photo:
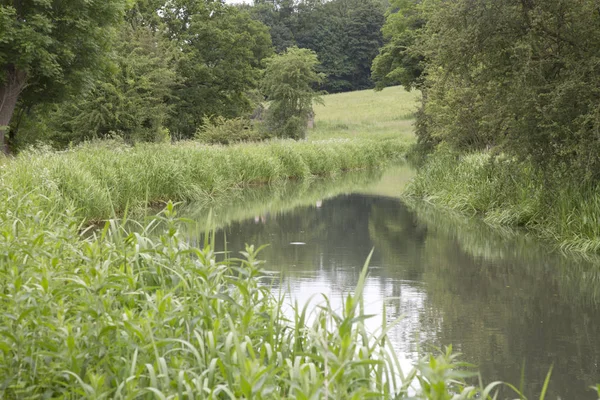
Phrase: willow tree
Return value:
(46, 44)
(289, 84)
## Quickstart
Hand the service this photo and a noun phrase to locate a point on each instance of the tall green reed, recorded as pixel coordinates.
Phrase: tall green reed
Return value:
(507, 192)
(96, 178)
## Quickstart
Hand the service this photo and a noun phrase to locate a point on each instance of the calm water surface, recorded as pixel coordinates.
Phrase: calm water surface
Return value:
(501, 299)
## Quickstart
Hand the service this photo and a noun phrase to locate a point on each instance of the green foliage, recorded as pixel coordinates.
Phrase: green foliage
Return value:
(220, 130)
(399, 62)
(345, 34)
(130, 99)
(520, 76)
(45, 45)
(52, 41)
(222, 54)
(596, 389)
(288, 84)
(171, 65)
(150, 315)
(279, 16)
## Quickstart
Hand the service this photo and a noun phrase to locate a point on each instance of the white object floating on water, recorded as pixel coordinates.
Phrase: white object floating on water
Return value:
(298, 243)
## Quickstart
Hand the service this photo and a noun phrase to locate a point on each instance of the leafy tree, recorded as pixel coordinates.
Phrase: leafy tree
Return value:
(289, 83)
(363, 30)
(345, 34)
(279, 16)
(323, 31)
(222, 54)
(520, 76)
(131, 99)
(46, 44)
(399, 60)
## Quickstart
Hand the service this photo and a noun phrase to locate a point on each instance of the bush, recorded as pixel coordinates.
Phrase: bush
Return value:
(221, 130)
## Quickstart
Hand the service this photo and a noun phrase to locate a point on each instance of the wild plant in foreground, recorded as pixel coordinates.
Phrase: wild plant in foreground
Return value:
(145, 315)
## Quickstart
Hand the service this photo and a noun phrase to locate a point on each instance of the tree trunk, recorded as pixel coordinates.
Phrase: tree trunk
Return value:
(10, 90)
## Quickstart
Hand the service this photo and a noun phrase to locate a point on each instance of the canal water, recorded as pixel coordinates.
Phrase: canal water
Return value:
(507, 303)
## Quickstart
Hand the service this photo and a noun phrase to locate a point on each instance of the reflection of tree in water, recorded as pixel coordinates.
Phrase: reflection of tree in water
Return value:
(278, 198)
(507, 300)
(334, 235)
(398, 236)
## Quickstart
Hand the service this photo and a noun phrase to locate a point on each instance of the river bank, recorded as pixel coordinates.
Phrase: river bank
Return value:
(504, 192)
(100, 180)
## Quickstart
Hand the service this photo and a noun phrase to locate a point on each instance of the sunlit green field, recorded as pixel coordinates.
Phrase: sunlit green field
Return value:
(389, 112)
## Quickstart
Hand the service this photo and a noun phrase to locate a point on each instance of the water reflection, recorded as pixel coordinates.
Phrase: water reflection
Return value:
(500, 298)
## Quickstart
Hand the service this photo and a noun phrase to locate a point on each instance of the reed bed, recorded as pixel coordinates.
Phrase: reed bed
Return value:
(505, 192)
(100, 179)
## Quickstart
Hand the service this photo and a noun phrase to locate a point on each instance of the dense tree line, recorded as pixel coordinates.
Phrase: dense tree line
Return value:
(517, 76)
(345, 34)
(161, 67)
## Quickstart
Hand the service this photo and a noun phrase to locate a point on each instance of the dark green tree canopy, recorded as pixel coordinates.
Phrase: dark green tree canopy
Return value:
(222, 54)
(170, 65)
(131, 98)
(522, 77)
(399, 61)
(345, 34)
(47, 44)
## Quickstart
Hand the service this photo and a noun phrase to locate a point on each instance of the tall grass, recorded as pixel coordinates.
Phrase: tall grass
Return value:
(506, 192)
(101, 178)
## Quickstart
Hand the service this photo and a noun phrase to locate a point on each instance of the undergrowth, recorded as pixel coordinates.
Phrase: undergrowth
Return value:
(220, 130)
(506, 192)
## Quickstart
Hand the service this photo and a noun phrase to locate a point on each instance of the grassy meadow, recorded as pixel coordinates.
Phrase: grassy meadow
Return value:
(366, 114)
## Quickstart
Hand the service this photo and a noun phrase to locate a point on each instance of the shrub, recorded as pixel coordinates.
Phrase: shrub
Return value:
(221, 130)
